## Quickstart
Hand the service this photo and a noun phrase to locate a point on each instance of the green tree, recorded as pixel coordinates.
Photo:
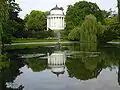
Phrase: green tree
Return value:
(108, 14)
(88, 31)
(109, 17)
(26, 18)
(110, 21)
(84, 65)
(111, 32)
(75, 14)
(9, 70)
(15, 24)
(3, 17)
(36, 64)
(118, 1)
(8, 19)
(14, 9)
(4, 62)
(74, 34)
(36, 21)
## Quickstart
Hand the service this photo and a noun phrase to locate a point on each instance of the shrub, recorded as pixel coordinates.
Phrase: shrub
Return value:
(112, 32)
(74, 35)
(34, 34)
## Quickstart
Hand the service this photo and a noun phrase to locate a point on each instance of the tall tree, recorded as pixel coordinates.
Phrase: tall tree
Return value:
(15, 24)
(118, 1)
(106, 14)
(88, 31)
(75, 14)
(14, 9)
(3, 17)
(36, 21)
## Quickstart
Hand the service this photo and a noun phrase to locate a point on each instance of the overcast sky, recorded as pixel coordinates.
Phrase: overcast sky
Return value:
(46, 5)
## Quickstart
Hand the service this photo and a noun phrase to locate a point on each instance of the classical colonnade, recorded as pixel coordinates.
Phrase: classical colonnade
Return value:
(54, 21)
(57, 59)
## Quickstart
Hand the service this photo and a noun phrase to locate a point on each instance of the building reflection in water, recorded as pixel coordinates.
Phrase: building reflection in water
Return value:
(56, 62)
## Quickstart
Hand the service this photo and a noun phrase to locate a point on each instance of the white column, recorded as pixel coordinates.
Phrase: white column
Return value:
(47, 23)
(53, 21)
(48, 55)
(54, 60)
(56, 21)
(50, 22)
(63, 22)
(59, 21)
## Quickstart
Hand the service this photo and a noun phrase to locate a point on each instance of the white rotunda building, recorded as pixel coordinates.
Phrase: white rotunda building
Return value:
(55, 19)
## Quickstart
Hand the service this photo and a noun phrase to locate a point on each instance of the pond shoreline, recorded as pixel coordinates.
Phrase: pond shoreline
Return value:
(62, 42)
(32, 43)
(113, 42)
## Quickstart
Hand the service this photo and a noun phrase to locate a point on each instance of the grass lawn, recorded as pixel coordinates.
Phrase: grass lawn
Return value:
(20, 40)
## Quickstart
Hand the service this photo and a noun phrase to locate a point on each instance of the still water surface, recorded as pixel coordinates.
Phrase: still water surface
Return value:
(64, 67)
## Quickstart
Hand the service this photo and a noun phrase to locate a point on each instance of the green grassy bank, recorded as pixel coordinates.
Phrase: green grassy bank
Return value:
(20, 40)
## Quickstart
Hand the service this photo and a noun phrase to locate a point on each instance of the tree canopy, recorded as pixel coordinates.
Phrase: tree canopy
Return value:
(36, 21)
(76, 14)
(13, 23)
(3, 17)
(88, 31)
(14, 9)
(118, 1)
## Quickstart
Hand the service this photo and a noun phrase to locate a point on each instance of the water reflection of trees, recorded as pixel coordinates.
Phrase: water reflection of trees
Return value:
(15, 51)
(83, 47)
(9, 71)
(36, 64)
(84, 68)
(86, 64)
(89, 63)
(10, 66)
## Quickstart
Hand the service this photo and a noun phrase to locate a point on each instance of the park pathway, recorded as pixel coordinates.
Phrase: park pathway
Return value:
(31, 43)
(64, 42)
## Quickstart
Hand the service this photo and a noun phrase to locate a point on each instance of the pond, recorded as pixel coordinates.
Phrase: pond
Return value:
(63, 67)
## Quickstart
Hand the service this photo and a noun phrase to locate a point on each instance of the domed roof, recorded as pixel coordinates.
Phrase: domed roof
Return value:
(57, 8)
(58, 70)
